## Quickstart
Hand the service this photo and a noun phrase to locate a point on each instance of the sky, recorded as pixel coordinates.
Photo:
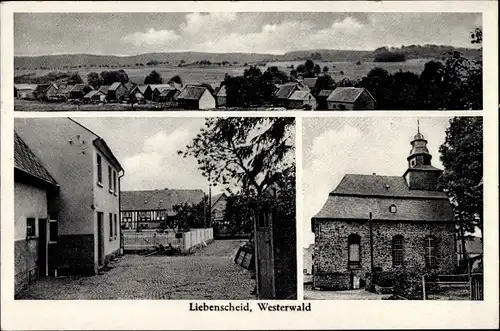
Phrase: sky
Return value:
(147, 150)
(333, 147)
(222, 32)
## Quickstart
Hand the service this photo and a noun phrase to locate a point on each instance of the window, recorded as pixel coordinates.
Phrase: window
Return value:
(430, 252)
(393, 209)
(413, 163)
(397, 250)
(110, 179)
(116, 225)
(53, 230)
(354, 250)
(30, 227)
(99, 169)
(110, 226)
(115, 186)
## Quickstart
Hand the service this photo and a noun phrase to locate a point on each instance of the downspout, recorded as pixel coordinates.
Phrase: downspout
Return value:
(120, 210)
(371, 253)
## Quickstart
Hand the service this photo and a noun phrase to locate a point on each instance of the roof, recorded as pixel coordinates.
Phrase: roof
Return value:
(381, 186)
(168, 93)
(104, 89)
(93, 93)
(325, 93)
(474, 245)
(346, 94)
(215, 198)
(115, 86)
(26, 161)
(64, 89)
(310, 82)
(192, 92)
(78, 88)
(285, 91)
(101, 145)
(300, 95)
(222, 91)
(44, 87)
(160, 87)
(158, 199)
(142, 88)
(25, 86)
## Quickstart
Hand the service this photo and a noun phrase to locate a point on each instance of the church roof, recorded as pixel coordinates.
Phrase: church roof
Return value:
(358, 195)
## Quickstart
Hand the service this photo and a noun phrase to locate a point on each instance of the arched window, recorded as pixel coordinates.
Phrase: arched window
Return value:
(430, 252)
(397, 250)
(354, 250)
(393, 209)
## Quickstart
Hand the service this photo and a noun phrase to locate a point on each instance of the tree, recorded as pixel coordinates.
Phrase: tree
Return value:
(324, 82)
(75, 79)
(153, 78)
(191, 215)
(110, 77)
(94, 80)
(249, 153)
(325, 69)
(317, 70)
(175, 79)
(462, 157)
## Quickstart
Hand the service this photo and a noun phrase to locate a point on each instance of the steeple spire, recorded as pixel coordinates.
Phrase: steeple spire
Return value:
(419, 154)
(418, 126)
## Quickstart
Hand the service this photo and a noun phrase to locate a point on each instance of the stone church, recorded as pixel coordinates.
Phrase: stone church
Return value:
(384, 223)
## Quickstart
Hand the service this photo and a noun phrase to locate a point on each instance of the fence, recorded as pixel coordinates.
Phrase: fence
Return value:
(149, 239)
(474, 284)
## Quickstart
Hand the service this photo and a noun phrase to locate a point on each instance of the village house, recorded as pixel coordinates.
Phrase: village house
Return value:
(95, 96)
(85, 213)
(221, 96)
(310, 82)
(196, 97)
(398, 222)
(153, 209)
(24, 91)
(45, 91)
(117, 92)
(78, 91)
(321, 99)
(157, 89)
(218, 205)
(63, 92)
(169, 97)
(145, 90)
(104, 89)
(284, 91)
(307, 263)
(35, 191)
(350, 98)
(301, 100)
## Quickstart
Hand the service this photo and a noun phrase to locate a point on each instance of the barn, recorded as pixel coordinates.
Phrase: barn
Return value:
(196, 97)
(350, 98)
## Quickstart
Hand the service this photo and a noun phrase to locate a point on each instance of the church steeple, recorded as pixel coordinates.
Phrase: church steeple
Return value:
(419, 154)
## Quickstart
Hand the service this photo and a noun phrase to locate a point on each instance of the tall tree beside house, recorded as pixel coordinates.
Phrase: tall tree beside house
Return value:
(462, 157)
(175, 79)
(110, 77)
(252, 154)
(191, 215)
(94, 80)
(74, 79)
(153, 78)
(324, 82)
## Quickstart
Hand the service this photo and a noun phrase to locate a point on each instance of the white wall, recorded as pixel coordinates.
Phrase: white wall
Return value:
(29, 201)
(207, 101)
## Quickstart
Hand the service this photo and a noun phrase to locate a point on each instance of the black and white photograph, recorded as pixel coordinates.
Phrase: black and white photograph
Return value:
(155, 208)
(248, 61)
(393, 208)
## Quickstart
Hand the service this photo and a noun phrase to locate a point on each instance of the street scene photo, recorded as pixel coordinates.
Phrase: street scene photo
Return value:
(393, 208)
(155, 208)
(248, 61)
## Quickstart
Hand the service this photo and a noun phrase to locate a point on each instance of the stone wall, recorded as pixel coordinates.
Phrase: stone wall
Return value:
(331, 248)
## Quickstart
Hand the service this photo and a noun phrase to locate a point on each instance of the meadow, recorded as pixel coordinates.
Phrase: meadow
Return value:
(215, 75)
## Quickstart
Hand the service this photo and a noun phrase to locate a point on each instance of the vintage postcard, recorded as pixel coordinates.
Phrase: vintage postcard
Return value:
(249, 165)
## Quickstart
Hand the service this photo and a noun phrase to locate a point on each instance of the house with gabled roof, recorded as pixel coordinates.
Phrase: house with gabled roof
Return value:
(35, 193)
(95, 96)
(157, 89)
(152, 209)
(83, 219)
(45, 91)
(24, 91)
(196, 97)
(321, 99)
(144, 90)
(378, 225)
(78, 91)
(117, 92)
(301, 100)
(350, 98)
(221, 96)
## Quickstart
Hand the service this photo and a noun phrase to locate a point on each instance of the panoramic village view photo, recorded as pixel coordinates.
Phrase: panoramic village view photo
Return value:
(155, 208)
(247, 60)
(393, 208)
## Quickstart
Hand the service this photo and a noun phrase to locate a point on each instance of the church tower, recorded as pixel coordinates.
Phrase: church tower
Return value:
(421, 175)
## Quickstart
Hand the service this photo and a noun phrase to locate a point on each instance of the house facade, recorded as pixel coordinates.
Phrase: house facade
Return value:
(87, 206)
(221, 96)
(398, 222)
(196, 97)
(301, 100)
(24, 91)
(35, 192)
(153, 209)
(117, 92)
(350, 98)
(145, 90)
(45, 91)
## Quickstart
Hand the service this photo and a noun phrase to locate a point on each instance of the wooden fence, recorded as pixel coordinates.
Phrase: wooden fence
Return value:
(474, 284)
(149, 239)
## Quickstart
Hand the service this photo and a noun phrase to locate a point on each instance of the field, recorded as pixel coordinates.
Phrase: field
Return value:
(215, 75)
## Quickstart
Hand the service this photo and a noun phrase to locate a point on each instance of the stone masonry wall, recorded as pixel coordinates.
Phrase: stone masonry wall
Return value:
(331, 248)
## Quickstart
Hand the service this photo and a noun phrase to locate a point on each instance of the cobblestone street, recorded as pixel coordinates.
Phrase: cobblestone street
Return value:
(210, 273)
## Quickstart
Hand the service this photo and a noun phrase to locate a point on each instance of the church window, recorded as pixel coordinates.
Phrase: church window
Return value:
(397, 250)
(354, 250)
(430, 252)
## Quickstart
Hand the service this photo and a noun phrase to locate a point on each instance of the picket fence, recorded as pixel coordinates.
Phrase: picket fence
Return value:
(149, 239)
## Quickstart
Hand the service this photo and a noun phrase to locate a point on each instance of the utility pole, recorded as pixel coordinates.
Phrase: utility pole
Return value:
(371, 251)
(209, 198)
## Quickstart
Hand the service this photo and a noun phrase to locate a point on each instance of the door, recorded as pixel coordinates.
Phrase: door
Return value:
(42, 247)
(264, 255)
(100, 238)
(52, 233)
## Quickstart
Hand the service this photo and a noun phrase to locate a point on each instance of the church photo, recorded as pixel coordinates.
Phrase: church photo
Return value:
(392, 208)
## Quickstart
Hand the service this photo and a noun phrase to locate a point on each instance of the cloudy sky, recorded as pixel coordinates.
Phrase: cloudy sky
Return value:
(333, 147)
(135, 33)
(147, 150)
